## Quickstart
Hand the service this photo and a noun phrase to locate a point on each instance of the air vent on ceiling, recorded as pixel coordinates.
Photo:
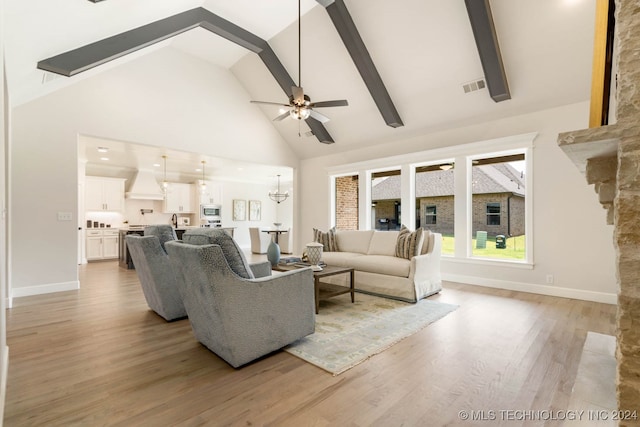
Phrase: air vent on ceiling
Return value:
(474, 85)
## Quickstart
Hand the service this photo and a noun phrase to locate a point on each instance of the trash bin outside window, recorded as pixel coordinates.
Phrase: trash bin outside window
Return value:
(501, 242)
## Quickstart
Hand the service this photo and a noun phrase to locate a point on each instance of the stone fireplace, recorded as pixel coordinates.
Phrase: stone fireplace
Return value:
(609, 156)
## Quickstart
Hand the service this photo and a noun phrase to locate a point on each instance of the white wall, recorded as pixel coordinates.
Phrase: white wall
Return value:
(4, 112)
(571, 239)
(242, 191)
(166, 98)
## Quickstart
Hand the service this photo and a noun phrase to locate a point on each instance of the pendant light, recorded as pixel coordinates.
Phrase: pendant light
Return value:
(277, 196)
(165, 184)
(203, 184)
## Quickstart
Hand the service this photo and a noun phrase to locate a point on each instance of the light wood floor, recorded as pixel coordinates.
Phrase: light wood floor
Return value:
(98, 356)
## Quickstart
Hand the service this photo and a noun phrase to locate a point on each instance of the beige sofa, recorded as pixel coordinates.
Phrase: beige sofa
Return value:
(379, 272)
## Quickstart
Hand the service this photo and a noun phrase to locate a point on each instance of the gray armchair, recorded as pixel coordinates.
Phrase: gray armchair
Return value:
(239, 318)
(157, 277)
(206, 236)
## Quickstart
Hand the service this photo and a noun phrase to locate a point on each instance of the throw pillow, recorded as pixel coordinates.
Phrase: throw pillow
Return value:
(327, 239)
(409, 244)
(230, 249)
(427, 245)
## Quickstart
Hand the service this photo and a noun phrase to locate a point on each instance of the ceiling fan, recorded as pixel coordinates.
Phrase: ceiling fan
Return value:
(301, 107)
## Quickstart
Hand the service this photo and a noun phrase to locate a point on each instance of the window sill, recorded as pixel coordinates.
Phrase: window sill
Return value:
(524, 265)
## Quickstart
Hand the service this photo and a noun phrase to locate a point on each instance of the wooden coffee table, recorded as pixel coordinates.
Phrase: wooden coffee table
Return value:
(325, 290)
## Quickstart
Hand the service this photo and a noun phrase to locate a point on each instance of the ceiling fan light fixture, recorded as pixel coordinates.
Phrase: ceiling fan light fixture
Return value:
(300, 105)
(300, 113)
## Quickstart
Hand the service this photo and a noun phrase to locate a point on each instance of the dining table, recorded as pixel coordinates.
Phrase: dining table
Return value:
(275, 232)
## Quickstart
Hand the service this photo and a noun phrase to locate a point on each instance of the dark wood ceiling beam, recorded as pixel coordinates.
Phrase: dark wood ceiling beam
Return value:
(347, 30)
(94, 54)
(484, 32)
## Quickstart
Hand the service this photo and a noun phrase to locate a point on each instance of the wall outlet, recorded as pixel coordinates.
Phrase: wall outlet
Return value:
(65, 216)
(549, 279)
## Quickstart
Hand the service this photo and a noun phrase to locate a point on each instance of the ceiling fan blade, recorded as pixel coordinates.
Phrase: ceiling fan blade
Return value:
(319, 117)
(336, 103)
(270, 103)
(298, 95)
(282, 116)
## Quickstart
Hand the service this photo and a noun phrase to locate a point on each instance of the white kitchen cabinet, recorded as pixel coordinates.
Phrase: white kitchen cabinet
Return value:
(179, 198)
(102, 244)
(94, 245)
(110, 244)
(104, 194)
(212, 195)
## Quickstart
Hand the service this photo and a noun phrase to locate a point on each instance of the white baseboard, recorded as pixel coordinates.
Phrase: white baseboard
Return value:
(554, 291)
(44, 289)
(3, 383)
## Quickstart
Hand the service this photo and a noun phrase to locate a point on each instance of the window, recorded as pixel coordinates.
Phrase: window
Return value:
(430, 217)
(499, 207)
(493, 213)
(435, 201)
(346, 190)
(385, 200)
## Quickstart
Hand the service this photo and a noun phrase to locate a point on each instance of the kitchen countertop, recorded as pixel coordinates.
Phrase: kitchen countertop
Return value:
(127, 228)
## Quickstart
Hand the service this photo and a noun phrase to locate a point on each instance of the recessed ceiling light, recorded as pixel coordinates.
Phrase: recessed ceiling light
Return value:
(198, 170)
(103, 149)
(240, 169)
(104, 158)
(157, 165)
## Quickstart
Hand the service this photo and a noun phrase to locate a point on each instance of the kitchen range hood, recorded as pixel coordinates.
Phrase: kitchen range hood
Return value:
(145, 187)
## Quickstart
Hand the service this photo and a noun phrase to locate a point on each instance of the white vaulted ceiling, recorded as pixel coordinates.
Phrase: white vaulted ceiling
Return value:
(424, 51)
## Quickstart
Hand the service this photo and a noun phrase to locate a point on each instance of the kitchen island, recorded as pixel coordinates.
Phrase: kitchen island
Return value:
(123, 252)
(181, 230)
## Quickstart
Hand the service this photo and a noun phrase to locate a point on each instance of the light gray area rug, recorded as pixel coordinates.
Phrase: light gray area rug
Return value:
(348, 334)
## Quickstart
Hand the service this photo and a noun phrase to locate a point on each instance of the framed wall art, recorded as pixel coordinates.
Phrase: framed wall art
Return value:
(239, 210)
(255, 210)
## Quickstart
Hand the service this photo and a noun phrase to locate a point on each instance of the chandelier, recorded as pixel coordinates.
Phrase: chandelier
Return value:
(277, 196)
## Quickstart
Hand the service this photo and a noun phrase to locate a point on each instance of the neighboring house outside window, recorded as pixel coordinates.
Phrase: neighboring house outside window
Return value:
(385, 198)
(494, 185)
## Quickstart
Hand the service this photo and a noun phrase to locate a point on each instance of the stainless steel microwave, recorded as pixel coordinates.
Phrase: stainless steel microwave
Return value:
(210, 211)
